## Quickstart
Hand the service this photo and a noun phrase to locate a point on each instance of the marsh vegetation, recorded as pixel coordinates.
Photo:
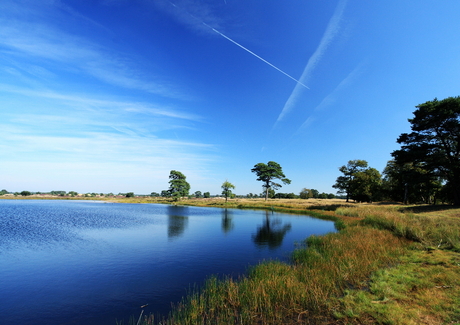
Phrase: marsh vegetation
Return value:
(390, 264)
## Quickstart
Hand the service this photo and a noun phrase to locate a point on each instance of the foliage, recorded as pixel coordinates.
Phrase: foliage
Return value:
(285, 196)
(268, 173)
(434, 143)
(410, 183)
(154, 194)
(227, 189)
(178, 186)
(305, 193)
(197, 194)
(60, 193)
(206, 195)
(3, 192)
(130, 194)
(25, 193)
(359, 182)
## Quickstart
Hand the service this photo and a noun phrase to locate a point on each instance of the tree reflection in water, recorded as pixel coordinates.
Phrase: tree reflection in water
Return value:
(271, 233)
(177, 220)
(227, 222)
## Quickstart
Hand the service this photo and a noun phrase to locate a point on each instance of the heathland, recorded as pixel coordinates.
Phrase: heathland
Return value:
(388, 264)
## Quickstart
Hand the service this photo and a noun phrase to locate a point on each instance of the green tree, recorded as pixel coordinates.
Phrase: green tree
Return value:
(154, 194)
(25, 193)
(227, 189)
(178, 186)
(198, 194)
(366, 185)
(305, 193)
(434, 142)
(3, 192)
(268, 173)
(410, 183)
(345, 183)
(130, 194)
(206, 195)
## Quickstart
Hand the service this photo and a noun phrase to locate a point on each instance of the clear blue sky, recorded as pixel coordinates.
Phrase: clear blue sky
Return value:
(110, 95)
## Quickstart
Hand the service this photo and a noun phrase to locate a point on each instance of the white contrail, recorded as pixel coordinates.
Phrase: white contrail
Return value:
(331, 31)
(244, 48)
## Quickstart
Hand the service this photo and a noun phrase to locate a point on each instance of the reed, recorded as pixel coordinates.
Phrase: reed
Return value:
(278, 293)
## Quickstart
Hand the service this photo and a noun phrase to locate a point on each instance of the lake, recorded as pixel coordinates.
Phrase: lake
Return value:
(89, 262)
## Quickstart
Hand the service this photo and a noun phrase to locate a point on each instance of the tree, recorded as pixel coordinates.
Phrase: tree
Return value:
(359, 182)
(3, 192)
(130, 194)
(206, 195)
(227, 189)
(198, 194)
(410, 183)
(154, 194)
(165, 193)
(367, 185)
(178, 186)
(434, 142)
(269, 172)
(305, 193)
(344, 184)
(25, 193)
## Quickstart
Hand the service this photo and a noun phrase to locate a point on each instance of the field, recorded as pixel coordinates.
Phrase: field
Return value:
(388, 264)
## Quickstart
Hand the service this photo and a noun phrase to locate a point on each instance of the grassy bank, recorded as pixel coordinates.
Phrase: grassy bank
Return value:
(390, 264)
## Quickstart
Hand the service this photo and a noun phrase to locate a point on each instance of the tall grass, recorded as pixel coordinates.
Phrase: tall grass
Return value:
(278, 293)
(431, 230)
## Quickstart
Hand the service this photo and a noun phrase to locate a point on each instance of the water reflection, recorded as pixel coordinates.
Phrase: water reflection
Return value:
(271, 233)
(227, 222)
(177, 220)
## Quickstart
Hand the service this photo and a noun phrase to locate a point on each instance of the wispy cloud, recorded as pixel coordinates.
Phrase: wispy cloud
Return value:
(330, 33)
(331, 98)
(87, 102)
(24, 37)
(193, 13)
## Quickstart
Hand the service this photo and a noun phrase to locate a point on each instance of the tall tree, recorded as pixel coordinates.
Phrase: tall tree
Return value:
(410, 183)
(178, 186)
(227, 189)
(269, 172)
(345, 184)
(434, 141)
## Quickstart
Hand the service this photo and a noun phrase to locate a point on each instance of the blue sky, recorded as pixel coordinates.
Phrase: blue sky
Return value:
(110, 95)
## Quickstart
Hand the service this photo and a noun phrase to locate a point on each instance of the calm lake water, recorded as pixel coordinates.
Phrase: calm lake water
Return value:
(86, 262)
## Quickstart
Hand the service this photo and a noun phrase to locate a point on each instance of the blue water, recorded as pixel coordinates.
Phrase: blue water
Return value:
(87, 262)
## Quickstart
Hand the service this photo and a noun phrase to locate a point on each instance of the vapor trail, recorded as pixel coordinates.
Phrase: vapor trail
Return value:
(246, 49)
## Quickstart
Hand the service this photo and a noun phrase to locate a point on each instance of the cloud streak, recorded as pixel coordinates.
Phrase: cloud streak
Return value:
(244, 48)
(331, 97)
(331, 31)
